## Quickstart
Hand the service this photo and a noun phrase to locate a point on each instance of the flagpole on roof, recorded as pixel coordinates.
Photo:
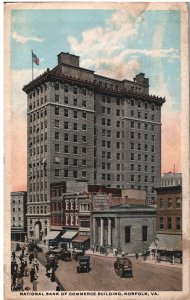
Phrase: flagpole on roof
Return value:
(32, 66)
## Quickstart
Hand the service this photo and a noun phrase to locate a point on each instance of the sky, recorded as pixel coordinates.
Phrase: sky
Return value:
(117, 43)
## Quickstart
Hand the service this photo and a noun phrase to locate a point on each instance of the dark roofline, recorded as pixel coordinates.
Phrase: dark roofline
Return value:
(169, 188)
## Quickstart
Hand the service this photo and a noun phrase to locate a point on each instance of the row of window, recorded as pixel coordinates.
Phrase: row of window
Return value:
(75, 149)
(141, 104)
(75, 137)
(75, 101)
(128, 233)
(146, 126)
(38, 127)
(140, 168)
(38, 209)
(70, 204)
(170, 203)
(139, 115)
(140, 178)
(70, 219)
(139, 147)
(139, 157)
(169, 224)
(35, 186)
(75, 174)
(38, 198)
(67, 88)
(36, 151)
(75, 162)
(38, 91)
(38, 115)
(38, 102)
(39, 138)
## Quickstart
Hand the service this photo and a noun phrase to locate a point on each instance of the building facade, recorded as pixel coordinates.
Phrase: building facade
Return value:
(83, 126)
(171, 179)
(18, 216)
(169, 223)
(126, 227)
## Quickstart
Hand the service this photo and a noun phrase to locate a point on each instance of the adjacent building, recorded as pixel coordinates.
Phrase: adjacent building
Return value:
(18, 216)
(171, 179)
(83, 126)
(169, 222)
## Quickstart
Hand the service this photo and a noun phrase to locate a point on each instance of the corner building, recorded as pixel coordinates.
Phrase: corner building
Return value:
(83, 126)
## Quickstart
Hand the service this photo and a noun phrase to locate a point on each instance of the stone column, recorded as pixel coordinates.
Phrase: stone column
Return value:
(109, 232)
(101, 232)
(94, 231)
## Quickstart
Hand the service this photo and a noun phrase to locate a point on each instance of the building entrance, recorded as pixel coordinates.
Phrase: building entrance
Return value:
(37, 229)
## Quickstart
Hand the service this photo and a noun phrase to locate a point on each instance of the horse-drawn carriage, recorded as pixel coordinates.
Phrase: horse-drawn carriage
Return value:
(84, 264)
(123, 267)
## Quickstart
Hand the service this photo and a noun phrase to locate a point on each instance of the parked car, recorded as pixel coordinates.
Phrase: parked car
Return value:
(84, 264)
(123, 267)
(65, 255)
(76, 254)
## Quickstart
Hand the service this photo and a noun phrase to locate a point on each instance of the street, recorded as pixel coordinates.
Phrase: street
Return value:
(102, 277)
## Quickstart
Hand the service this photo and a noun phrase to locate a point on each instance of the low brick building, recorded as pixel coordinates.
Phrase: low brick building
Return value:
(18, 216)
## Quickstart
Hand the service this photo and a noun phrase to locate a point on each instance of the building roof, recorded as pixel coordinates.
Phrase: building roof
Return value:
(132, 206)
(173, 188)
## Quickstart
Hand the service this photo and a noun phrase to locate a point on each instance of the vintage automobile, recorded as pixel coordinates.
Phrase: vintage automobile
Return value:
(52, 259)
(76, 254)
(84, 264)
(123, 267)
(65, 255)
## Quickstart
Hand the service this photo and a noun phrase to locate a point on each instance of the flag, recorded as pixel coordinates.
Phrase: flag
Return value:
(35, 59)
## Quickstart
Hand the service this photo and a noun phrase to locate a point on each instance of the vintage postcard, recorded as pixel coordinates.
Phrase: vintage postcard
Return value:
(96, 150)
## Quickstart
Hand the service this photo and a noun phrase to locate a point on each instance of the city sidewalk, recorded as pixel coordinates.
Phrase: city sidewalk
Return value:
(44, 283)
(140, 259)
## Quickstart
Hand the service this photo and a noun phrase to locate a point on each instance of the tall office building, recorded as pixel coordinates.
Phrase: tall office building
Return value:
(83, 126)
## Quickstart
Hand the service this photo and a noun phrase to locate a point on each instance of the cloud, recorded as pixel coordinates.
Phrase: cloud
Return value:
(24, 39)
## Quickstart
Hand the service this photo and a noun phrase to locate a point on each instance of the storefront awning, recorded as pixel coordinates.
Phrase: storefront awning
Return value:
(69, 234)
(52, 235)
(80, 239)
(168, 242)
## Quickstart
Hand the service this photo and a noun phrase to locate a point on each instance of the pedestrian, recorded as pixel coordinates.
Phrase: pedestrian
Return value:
(23, 249)
(32, 274)
(123, 254)
(136, 255)
(13, 254)
(93, 248)
(35, 285)
(31, 257)
(20, 283)
(58, 287)
(116, 251)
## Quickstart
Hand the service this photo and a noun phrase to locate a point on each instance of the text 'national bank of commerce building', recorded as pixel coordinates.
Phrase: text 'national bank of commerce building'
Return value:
(83, 126)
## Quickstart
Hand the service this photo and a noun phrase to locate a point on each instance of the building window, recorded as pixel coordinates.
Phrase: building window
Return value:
(57, 148)
(84, 127)
(66, 137)
(178, 223)
(169, 223)
(66, 125)
(145, 126)
(132, 156)
(75, 174)
(139, 125)
(84, 174)
(132, 135)
(66, 161)
(169, 202)
(118, 124)
(66, 100)
(56, 110)
(66, 113)
(132, 113)
(178, 202)
(75, 114)
(127, 234)
(83, 103)
(83, 150)
(75, 138)
(56, 98)
(57, 172)
(132, 178)
(75, 126)
(132, 124)
(84, 162)
(66, 149)
(161, 205)
(152, 127)
(57, 123)
(66, 173)
(144, 233)
(161, 223)
(108, 122)
(57, 135)
(75, 150)
(132, 167)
